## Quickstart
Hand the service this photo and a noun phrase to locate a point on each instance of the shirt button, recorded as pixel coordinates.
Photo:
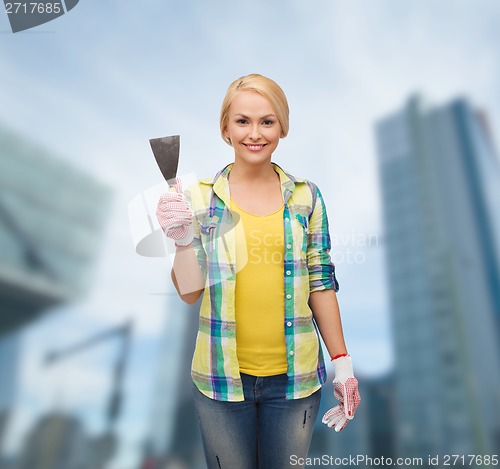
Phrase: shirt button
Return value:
(287, 219)
(289, 323)
(288, 272)
(289, 246)
(291, 352)
(288, 296)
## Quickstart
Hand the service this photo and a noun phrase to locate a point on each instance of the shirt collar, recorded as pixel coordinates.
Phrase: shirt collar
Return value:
(220, 182)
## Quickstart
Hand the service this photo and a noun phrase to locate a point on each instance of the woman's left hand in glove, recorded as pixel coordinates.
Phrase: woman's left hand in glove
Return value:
(345, 389)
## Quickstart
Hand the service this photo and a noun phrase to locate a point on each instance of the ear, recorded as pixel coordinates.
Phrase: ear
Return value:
(225, 133)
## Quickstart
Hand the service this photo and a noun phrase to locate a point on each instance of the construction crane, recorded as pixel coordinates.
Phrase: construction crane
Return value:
(104, 446)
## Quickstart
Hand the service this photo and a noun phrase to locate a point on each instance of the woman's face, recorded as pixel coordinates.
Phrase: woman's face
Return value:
(253, 128)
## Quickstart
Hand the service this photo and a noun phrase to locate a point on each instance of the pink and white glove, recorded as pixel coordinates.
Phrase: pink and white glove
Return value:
(345, 390)
(175, 216)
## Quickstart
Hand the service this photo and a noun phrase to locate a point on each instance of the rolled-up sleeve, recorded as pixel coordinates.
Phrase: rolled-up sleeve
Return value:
(321, 268)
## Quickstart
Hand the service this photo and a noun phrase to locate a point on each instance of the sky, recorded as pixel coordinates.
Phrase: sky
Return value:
(95, 84)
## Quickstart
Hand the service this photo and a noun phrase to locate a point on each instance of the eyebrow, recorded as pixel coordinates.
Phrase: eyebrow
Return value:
(246, 117)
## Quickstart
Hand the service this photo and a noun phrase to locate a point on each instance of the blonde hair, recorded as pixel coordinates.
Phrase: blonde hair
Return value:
(265, 87)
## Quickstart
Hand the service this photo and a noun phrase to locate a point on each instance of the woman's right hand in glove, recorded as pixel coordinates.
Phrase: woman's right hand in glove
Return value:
(175, 215)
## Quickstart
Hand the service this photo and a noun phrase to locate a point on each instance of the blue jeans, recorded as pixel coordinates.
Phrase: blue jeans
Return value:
(261, 432)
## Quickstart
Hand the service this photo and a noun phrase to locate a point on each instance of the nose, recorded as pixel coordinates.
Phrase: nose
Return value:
(254, 132)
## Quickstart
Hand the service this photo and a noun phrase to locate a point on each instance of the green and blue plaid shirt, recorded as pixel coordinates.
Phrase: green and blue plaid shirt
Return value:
(307, 268)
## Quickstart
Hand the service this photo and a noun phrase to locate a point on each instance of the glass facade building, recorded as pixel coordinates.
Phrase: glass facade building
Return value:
(440, 181)
(174, 439)
(51, 220)
(52, 217)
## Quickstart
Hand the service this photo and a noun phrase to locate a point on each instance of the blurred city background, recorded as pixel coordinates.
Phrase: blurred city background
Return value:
(395, 110)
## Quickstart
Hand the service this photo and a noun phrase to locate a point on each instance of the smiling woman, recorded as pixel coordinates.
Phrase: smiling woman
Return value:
(258, 366)
(267, 89)
(252, 128)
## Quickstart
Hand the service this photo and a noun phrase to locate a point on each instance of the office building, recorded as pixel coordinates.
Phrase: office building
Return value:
(9, 360)
(174, 439)
(57, 441)
(440, 181)
(52, 216)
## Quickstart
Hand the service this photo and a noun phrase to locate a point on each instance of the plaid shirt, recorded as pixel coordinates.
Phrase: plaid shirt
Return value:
(307, 268)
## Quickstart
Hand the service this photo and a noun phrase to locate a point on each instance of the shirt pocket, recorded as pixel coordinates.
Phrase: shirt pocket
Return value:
(303, 231)
(208, 230)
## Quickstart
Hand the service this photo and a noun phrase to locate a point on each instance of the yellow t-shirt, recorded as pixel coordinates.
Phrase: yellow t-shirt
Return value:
(259, 295)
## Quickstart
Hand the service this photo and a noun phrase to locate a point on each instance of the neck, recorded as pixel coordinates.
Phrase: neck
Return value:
(242, 173)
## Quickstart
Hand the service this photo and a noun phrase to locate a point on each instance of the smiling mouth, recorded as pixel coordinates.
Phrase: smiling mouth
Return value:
(253, 147)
